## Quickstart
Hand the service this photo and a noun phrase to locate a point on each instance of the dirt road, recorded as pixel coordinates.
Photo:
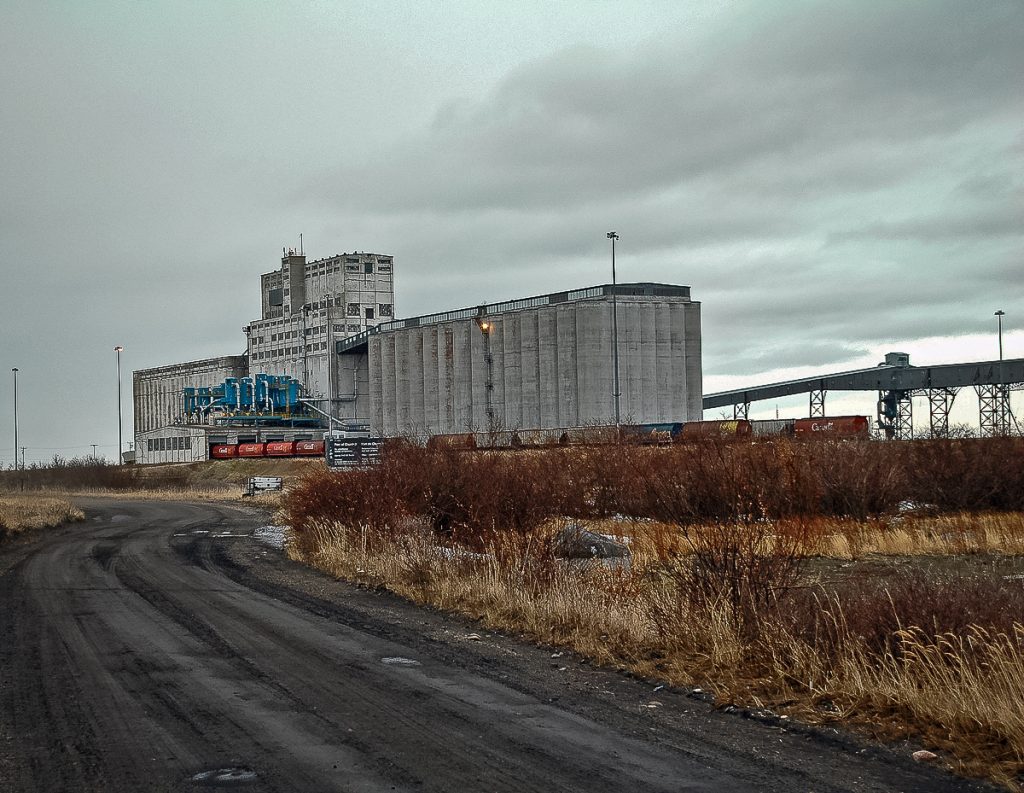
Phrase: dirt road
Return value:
(142, 651)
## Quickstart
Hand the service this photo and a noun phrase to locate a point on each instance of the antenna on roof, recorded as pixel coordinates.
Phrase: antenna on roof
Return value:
(300, 245)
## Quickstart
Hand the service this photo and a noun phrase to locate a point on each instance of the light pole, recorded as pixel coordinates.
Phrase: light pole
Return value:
(615, 328)
(118, 349)
(999, 318)
(15, 370)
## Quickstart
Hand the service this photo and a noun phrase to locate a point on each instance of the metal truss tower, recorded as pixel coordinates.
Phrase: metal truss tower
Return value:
(940, 402)
(817, 403)
(993, 409)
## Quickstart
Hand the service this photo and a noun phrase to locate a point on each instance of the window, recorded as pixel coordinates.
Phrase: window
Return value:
(339, 328)
(149, 445)
(352, 268)
(188, 441)
(369, 313)
(385, 309)
(353, 328)
(353, 309)
(368, 267)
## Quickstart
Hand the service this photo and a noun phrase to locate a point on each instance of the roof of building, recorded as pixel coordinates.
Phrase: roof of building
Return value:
(637, 289)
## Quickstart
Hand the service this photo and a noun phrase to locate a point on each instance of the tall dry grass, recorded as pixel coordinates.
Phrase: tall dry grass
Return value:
(715, 595)
(24, 513)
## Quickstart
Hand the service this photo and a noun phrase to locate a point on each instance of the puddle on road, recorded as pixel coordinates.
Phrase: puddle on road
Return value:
(397, 660)
(226, 777)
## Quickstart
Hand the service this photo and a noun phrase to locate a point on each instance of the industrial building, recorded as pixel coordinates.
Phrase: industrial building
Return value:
(543, 363)
(540, 363)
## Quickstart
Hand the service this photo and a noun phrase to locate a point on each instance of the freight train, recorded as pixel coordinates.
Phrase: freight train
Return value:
(230, 451)
(664, 433)
(829, 426)
(672, 432)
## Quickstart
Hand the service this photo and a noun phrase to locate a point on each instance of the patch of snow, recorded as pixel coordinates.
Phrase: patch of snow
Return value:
(274, 536)
(397, 660)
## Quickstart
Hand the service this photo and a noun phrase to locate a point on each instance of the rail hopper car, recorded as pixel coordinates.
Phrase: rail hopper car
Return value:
(231, 451)
(665, 433)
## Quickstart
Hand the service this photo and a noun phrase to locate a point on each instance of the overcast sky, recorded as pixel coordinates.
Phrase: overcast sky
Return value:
(833, 179)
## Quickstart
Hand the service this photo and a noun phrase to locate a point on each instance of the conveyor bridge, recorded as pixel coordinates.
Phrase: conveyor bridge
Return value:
(896, 382)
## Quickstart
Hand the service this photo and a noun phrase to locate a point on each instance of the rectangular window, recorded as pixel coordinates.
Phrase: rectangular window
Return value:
(369, 313)
(339, 328)
(149, 445)
(353, 328)
(188, 441)
(368, 267)
(385, 309)
(353, 309)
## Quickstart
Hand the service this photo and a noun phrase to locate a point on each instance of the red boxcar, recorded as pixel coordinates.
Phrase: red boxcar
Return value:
(222, 451)
(732, 428)
(465, 440)
(832, 426)
(252, 449)
(280, 449)
(309, 448)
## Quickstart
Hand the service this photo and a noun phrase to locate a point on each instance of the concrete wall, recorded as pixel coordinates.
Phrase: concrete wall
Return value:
(539, 368)
(157, 396)
(171, 445)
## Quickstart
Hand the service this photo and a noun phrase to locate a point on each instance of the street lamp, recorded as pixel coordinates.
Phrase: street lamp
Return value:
(615, 328)
(15, 370)
(999, 318)
(119, 349)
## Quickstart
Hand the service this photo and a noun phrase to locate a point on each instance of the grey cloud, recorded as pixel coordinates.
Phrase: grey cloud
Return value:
(577, 127)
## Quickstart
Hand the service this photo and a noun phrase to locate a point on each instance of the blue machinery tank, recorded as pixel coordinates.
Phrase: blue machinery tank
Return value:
(264, 399)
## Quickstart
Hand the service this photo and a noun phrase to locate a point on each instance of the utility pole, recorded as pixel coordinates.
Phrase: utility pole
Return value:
(999, 318)
(119, 349)
(615, 329)
(15, 370)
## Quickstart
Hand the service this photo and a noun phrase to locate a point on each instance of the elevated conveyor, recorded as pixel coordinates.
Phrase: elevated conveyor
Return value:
(896, 381)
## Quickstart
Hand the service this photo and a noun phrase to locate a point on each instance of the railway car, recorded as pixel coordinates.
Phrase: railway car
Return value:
(734, 428)
(252, 450)
(772, 428)
(223, 451)
(280, 448)
(309, 448)
(650, 433)
(832, 427)
(463, 440)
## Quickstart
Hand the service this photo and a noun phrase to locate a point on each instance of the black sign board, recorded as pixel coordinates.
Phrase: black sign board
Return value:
(352, 452)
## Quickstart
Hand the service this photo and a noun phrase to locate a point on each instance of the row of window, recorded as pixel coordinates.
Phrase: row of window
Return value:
(169, 444)
(320, 345)
(385, 310)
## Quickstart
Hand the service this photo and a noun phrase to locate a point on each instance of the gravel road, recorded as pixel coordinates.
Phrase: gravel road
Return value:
(160, 647)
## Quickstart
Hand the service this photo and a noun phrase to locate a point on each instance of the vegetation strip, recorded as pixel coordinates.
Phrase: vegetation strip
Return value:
(753, 570)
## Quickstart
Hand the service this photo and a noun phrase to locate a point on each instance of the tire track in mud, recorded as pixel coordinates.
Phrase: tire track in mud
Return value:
(143, 652)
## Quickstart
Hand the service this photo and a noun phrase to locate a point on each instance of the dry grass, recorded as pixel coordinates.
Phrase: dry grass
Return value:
(226, 494)
(24, 513)
(717, 594)
(959, 694)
